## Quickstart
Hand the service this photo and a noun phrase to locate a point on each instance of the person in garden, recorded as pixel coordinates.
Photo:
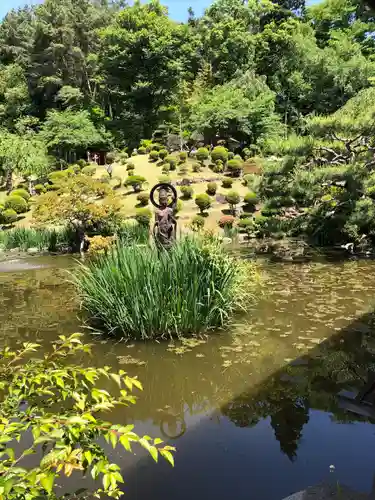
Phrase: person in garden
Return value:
(165, 223)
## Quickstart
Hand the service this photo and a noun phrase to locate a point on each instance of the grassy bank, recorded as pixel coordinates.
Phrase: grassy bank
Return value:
(142, 294)
(42, 239)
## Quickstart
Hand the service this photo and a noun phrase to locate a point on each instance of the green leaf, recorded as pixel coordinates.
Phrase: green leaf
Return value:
(10, 453)
(116, 378)
(47, 482)
(154, 453)
(113, 439)
(168, 456)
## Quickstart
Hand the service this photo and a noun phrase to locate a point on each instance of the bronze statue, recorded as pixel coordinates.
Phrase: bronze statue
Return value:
(165, 226)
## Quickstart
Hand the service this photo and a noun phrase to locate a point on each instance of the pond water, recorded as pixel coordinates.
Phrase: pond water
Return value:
(252, 412)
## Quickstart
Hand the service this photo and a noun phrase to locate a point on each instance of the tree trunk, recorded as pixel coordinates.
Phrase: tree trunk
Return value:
(9, 181)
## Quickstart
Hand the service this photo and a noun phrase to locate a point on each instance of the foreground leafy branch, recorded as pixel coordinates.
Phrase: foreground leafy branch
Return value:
(32, 392)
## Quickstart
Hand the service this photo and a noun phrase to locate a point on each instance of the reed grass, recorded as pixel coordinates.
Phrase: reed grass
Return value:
(140, 293)
(25, 238)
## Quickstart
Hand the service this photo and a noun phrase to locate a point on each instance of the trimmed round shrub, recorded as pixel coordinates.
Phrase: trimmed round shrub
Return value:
(110, 158)
(246, 224)
(39, 189)
(52, 187)
(197, 167)
(218, 167)
(143, 216)
(16, 203)
(219, 153)
(116, 182)
(58, 175)
(89, 170)
(164, 178)
(178, 207)
(226, 221)
(22, 185)
(105, 179)
(8, 216)
(124, 155)
(123, 161)
(163, 153)
(143, 199)
(123, 290)
(202, 154)
(135, 181)
(238, 158)
(130, 166)
(183, 156)
(172, 161)
(75, 168)
(211, 188)
(227, 182)
(130, 172)
(21, 192)
(233, 198)
(142, 150)
(166, 168)
(187, 192)
(230, 155)
(156, 146)
(251, 199)
(134, 153)
(154, 155)
(235, 166)
(197, 223)
(81, 163)
(203, 202)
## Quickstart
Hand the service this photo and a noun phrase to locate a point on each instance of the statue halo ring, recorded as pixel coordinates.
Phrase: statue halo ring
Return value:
(167, 187)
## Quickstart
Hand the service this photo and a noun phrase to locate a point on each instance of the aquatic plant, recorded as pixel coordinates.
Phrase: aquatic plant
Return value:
(42, 239)
(141, 293)
(32, 389)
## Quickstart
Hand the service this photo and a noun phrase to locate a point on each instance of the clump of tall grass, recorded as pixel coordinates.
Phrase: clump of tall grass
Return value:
(140, 293)
(25, 238)
(133, 234)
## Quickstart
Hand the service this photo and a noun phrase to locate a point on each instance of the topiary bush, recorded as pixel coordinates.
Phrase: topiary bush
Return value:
(202, 154)
(142, 150)
(171, 160)
(178, 207)
(21, 192)
(81, 163)
(251, 199)
(197, 167)
(156, 146)
(166, 168)
(227, 182)
(219, 153)
(154, 155)
(143, 216)
(136, 182)
(203, 202)
(164, 178)
(233, 198)
(183, 156)
(130, 166)
(197, 223)
(235, 166)
(163, 153)
(187, 192)
(52, 187)
(246, 224)
(16, 203)
(230, 155)
(58, 175)
(116, 182)
(211, 188)
(226, 221)
(218, 167)
(110, 158)
(8, 216)
(89, 170)
(143, 199)
(39, 189)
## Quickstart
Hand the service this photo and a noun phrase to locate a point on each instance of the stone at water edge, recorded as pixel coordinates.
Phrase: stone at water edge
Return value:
(227, 241)
(33, 250)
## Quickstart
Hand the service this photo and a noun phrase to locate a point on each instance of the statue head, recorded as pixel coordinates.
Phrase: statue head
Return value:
(163, 198)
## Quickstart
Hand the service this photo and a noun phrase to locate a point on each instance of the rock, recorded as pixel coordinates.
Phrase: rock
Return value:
(33, 250)
(14, 250)
(227, 241)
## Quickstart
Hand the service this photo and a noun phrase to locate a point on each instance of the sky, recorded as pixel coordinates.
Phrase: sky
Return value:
(177, 8)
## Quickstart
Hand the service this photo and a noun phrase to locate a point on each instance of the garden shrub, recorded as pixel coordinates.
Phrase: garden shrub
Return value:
(178, 207)
(134, 153)
(227, 182)
(238, 158)
(143, 216)
(143, 199)
(234, 166)
(21, 192)
(197, 167)
(8, 216)
(16, 203)
(142, 150)
(203, 202)
(22, 185)
(211, 188)
(164, 179)
(105, 178)
(130, 173)
(187, 192)
(219, 153)
(156, 146)
(166, 168)
(130, 166)
(123, 161)
(81, 163)
(251, 199)
(218, 167)
(100, 244)
(163, 153)
(116, 182)
(52, 187)
(246, 224)
(183, 156)
(89, 170)
(113, 289)
(233, 198)
(58, 175)
(154, 155)
(202, 154)
(226, 221)
(39, 189)
(124, 155)
(230, 155)
(197, 223)
(171, 160)
(135, 181)
(110, 158)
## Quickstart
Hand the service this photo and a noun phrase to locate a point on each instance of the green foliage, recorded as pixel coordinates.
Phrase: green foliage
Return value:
(197, 223)
(203, 202)
(135, 181)
(251, 199)
(110, 158)
(70, 432)
(246, 224)
(154, 155)
(233, 198)
(230, 155)
(130, 166)
(219, 291)
(8, 216)
(143, 199)
(81, 163)
(171, 160)
(143, 216)
(211, 188)
(163, 153)
(197, 167)
(21, 192)
(219, 153)
(89, 170)
(16, 203)
(141, 150)
(227, 182)
(166, 168)
(235, 166)
(39, 189)
(202, 154)
(42, 239)
(183, 156)
(187, 192)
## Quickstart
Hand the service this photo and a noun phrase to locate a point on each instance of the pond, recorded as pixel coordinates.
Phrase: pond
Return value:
(252, 411)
